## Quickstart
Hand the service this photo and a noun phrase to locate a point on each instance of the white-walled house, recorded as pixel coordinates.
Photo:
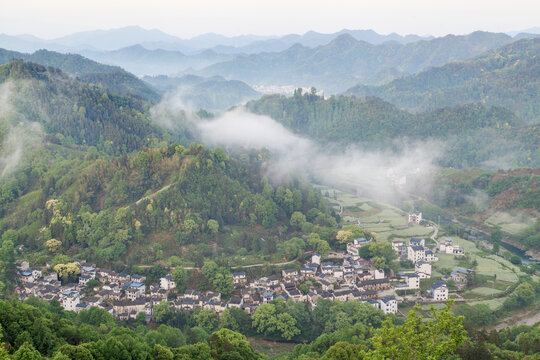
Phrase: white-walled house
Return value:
(316, 258)
(416, 253)
(417, 242)
(415, 218)
(430, 256)
(239, 277)
(389, 305)
(413, 281)
(423, 269)
(379, 274)
(439, 291)
(70, 299)
(167, 282)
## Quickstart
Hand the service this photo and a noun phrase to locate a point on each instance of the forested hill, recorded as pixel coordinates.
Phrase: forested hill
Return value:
(350, 120)
(213, 94)
(111, 78)
(74, 112)
(345, 61)
(508, 77)
(172, 199)
(475, 133)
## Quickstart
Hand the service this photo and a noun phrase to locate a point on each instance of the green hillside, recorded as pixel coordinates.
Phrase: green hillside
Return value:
(74, 112)
(111, 78)
(213, 94)
(474, 134)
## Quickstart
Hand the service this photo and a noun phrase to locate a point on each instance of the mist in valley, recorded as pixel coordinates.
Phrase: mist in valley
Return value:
(382, 175)
(18, 135)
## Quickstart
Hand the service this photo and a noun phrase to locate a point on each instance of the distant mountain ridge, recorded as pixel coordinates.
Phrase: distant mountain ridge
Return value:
(346, 60)
(508, 77)
(139, 60)
(114, 39)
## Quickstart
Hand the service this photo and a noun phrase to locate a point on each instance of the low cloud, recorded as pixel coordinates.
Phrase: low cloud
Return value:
(378, 174)
(18, 135)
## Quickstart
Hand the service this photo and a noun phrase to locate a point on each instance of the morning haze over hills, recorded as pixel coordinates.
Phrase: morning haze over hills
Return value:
(315, 196)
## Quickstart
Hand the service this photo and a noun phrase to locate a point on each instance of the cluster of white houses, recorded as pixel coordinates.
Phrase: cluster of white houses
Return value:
(126, 295)
(417, 252)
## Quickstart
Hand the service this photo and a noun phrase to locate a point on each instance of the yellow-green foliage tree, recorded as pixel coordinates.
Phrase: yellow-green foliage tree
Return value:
(53, 245)
(67, 272)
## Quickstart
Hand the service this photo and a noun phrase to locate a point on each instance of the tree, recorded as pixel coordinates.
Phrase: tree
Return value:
(323, 248)
(67, 272)
(524, 294)
(223, 283)
(297, 219)
(181, 278)
(417, 339)
(213, 226)
(27, 352)
(53, 245)
(161, 312)
(286, 325)
(378, 262)
(344, 236)
(313, 240)
(496, 236)
(209, 269)
(191, 226)
(345, 351)
(206, 319)
(264, 319)
(227, 344)
(162, 353)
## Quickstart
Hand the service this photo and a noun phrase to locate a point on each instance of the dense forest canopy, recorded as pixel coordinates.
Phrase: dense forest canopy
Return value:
(473, 133)
(110, 78)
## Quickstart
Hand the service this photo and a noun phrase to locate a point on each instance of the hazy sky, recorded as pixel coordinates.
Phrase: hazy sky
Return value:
(54, 18)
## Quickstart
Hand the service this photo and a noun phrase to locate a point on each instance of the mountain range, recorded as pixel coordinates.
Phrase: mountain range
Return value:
(345, 61)
(113, 39)
(508, 77)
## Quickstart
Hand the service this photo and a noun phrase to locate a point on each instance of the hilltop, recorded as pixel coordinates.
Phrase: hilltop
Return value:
(472, 134)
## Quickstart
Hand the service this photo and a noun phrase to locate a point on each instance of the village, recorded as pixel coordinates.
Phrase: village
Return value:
(346, 277)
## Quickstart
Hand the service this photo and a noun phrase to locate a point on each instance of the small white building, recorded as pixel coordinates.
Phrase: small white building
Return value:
(379, 274)
(430, 256)
(316, 258)
(415, 218)
(36, 273)
(439, 291)
(413, 281)
(289, 273)
(389, 305)
(70, 299)
(416, 253)
(352, 248)
(239, 277)
(423, 269)
(167, 282)
(417, 242)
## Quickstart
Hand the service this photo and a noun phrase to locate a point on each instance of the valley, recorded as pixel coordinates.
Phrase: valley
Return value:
(344, 195)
